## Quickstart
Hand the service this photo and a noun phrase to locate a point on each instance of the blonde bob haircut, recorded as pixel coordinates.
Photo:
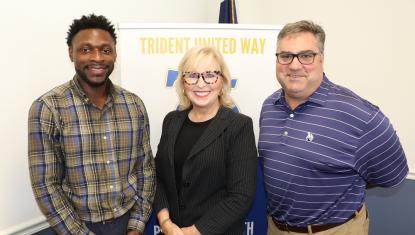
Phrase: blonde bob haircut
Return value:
(190, 61)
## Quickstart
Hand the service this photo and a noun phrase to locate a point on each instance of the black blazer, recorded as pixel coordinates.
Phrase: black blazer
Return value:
(219, 175)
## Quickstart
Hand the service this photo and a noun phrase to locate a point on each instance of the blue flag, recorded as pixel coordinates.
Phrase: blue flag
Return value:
(227, 12)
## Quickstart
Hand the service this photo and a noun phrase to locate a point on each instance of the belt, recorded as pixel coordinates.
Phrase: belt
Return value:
(108, 221)
(112, 220)
(314, 228)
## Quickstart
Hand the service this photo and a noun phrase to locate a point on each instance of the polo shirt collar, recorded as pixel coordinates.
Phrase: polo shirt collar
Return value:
(318, 97)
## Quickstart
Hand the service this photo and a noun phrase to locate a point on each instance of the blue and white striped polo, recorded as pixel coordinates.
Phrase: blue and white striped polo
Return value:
(319, 157)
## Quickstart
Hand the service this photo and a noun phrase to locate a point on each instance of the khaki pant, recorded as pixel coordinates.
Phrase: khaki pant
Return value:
(359, 225)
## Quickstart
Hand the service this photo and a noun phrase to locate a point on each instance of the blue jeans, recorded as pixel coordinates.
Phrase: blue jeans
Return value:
(117, 226)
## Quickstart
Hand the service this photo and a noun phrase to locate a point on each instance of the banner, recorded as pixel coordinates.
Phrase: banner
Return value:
(149, 55)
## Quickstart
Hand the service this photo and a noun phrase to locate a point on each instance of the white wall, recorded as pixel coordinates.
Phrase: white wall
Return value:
(369, 49)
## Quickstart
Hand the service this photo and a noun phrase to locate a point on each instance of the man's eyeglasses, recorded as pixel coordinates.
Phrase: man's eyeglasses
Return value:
(209, 77)
(305, 58)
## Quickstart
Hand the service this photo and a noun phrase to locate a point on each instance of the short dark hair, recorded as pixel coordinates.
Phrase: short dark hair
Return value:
(91, 21)
(305, 26)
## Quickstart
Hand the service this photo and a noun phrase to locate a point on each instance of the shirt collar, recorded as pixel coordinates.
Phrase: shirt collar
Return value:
(318, 97)
(113, 90)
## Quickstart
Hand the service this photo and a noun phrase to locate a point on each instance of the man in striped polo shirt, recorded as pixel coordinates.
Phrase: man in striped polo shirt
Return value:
(321, 144)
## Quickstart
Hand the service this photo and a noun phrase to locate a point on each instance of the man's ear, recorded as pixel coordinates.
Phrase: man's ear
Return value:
(70, 51)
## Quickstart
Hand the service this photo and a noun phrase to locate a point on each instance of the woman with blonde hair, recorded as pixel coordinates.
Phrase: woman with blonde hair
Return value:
(206, 159)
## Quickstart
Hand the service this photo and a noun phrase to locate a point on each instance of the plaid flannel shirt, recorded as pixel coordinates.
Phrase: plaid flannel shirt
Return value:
(90, 164)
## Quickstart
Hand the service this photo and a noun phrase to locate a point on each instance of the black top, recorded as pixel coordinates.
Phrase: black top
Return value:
(188, 135)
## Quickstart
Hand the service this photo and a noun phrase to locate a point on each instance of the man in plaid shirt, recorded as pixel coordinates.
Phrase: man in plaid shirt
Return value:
(91, 165)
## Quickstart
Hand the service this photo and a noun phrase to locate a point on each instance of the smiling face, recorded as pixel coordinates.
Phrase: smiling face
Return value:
(299, 81)
(204, 96)
(93, 54)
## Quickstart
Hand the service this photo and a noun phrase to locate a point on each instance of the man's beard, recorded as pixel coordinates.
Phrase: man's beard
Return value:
(82, 75)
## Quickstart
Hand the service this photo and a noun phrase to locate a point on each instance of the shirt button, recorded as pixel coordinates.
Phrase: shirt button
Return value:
(285, 133)
(108, 162)
(104, 137)
(111, 187)
(115, 209)
(291, 115)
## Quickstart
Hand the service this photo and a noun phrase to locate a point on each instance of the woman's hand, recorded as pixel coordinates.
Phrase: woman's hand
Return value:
(167, 226)
(170, 228)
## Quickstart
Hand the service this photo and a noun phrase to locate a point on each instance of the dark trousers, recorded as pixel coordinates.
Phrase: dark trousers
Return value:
(117, 226)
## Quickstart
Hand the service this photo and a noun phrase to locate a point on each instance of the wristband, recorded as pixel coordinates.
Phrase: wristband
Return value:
(164, 221)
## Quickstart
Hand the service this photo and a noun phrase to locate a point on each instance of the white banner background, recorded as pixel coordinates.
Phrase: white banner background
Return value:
(148, 51)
